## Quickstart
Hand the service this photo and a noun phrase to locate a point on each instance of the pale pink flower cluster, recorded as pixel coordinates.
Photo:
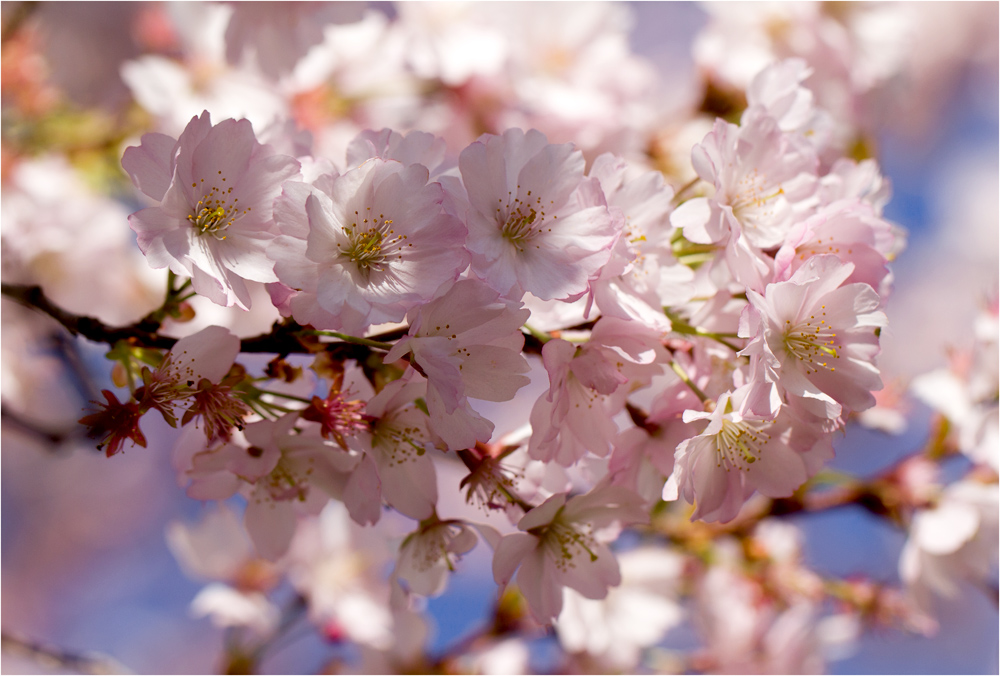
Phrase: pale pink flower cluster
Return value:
(581, 316)
(726, 334)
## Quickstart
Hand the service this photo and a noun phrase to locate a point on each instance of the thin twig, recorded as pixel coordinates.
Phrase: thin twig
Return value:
(56, 658)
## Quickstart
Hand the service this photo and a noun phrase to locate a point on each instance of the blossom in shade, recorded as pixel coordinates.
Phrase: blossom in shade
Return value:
(194, 374)
(816, 338)
(338, 418)
(559, 546)
(468, 344)
(536, 223)
(215, 185)
(396, 448)
(114, 423)
(428, 555)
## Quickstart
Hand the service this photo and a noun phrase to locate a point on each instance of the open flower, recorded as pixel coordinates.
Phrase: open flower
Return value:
(215, 185)
(428, 554)
(816, 338)
(535, 222)
(467, 343)
(379, 242)
(560, 547)
(738, 454)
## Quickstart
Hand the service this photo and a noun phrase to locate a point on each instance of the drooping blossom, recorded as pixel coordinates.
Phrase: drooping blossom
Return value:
(396, 448)
(736, 454)
(587, 387)
(215, 185)
(559, 546)
(468, 344)
(536, 223)
(428, 554)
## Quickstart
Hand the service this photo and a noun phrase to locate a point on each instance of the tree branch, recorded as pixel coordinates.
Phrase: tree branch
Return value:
(284, 338)
(56, 658)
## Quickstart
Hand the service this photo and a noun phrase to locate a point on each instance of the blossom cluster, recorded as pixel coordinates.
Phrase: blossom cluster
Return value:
(759, 352)
(513, 310)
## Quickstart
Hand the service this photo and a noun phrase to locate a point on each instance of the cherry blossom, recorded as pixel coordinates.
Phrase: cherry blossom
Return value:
(737, 454)
(378, 243)
(815, 338)
(764, 180)
(473, 353)
(560, 546)
(428, 554)
(536, 224)
(215, 184)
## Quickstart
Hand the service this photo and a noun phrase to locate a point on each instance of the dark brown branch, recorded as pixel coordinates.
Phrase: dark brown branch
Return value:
(88, 327)
(284, 338)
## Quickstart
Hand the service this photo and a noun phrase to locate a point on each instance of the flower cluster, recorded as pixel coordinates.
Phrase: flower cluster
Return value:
(767, 368)
(478, 255)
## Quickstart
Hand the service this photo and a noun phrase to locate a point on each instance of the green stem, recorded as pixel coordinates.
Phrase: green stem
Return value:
(378, 344)
(678, 325)
(540, 336)
(682, 374)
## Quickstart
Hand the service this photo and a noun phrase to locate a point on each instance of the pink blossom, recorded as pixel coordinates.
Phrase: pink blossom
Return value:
(643, 275)
(763, 181)
(849, 230)
(815, 338)
(378, 243)
(560, 546)
(216, 185)
(536, 224)
(737, 454)
(428, 554)
(587, 387)
(468, 344)
(396, 448)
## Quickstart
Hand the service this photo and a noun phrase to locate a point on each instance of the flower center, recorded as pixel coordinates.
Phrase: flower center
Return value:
(566, 543)
(523, 222)
(214, 213)
(812, 343)
(740, 444)
(372, 244)
(753, 194)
